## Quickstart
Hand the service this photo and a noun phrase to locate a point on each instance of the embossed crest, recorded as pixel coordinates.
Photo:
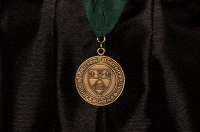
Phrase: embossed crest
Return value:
(100, 80)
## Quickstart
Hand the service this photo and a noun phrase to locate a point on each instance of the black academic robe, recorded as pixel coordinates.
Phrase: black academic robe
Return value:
(43, 42)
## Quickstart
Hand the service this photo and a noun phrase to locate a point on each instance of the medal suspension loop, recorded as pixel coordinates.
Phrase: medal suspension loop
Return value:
(101, 50)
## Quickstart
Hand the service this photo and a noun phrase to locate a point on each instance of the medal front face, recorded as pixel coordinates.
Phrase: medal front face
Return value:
(100, 80)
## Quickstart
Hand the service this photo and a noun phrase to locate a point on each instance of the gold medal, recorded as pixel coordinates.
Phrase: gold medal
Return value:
(100, 79)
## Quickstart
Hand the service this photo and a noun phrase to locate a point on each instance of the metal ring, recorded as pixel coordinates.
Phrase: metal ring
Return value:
(99, 41)
(99, 51)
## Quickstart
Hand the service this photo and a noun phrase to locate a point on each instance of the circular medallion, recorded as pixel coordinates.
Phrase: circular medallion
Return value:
(100, 80)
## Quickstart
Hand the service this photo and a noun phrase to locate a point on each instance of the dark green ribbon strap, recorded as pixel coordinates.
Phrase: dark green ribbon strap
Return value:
(103, 14)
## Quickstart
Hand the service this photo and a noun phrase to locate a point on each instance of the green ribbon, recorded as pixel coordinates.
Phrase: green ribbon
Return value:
(103, 14)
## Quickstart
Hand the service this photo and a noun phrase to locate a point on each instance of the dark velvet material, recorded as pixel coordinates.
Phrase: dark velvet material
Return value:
(43, 42)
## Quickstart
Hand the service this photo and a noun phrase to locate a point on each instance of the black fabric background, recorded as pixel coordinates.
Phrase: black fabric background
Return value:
(42, 43)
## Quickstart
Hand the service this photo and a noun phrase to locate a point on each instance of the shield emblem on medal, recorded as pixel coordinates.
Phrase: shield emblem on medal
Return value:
(99, 80)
